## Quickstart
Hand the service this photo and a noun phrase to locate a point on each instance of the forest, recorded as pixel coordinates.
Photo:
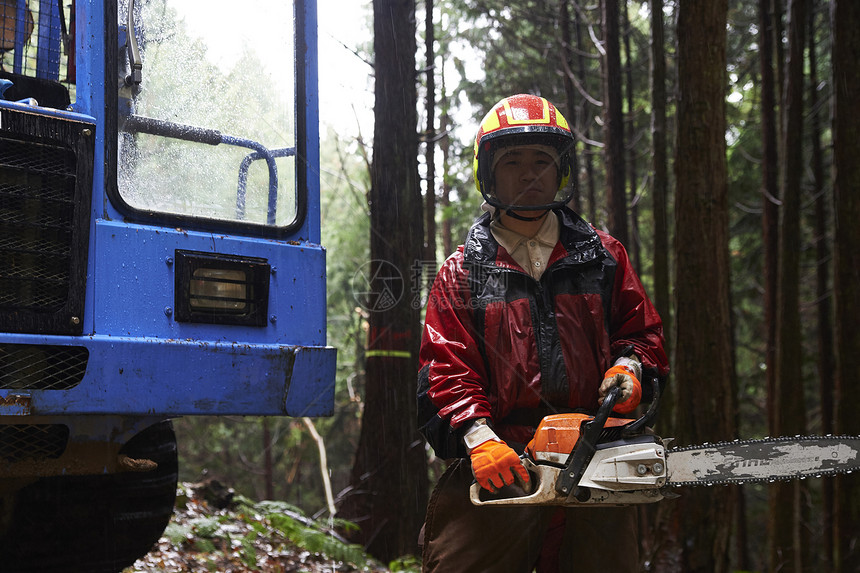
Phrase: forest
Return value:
(717, 140)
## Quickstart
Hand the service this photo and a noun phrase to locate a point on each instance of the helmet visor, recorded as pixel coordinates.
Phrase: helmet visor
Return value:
(527, 174)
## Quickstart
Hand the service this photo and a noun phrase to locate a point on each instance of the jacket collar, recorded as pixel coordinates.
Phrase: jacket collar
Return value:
(578, 241)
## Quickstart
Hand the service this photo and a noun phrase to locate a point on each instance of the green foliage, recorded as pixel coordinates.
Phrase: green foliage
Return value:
(515, 46)
(316, 541)
(249, 555)
(177, 533)
(205, 527)
(306, 534)
(266, 535)
(408, 564)
(268, 506)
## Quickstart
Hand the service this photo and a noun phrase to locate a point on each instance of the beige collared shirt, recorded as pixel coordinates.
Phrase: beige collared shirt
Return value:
(531, 253)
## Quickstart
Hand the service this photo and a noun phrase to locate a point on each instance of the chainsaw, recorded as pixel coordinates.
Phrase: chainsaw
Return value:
(581, 459)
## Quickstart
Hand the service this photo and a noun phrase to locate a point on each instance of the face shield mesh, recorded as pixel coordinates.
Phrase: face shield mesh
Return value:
(559, 148)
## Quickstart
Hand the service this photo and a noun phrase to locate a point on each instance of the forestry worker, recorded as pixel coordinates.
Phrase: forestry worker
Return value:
(536, 313)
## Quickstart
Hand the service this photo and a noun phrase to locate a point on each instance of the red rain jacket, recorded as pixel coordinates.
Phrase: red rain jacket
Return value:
(501, 345)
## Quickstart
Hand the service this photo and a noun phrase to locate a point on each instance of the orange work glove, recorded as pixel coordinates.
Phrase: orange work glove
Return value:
(494, 464)
(625, 376)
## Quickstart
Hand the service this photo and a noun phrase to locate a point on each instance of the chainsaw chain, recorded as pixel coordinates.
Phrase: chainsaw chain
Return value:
(749, 480)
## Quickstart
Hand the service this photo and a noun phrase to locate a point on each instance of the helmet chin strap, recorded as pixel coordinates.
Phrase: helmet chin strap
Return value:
(515, 215)
(511, 210)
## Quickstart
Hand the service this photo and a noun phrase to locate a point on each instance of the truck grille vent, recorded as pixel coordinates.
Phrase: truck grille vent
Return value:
(45, 186)
(32, 442)
(37, 367)
(37, 192)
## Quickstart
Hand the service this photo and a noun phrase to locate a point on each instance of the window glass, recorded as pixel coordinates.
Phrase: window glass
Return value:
(209, 131)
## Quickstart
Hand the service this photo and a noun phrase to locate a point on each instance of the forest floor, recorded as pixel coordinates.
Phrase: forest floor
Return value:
(226, 533)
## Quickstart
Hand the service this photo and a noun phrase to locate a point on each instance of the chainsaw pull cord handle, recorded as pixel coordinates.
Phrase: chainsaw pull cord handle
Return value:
(568, 481)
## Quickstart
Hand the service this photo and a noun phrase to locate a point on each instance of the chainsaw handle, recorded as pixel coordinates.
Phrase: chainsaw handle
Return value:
(583, 451)
(605, 410)
(538, 490)
(648, 417)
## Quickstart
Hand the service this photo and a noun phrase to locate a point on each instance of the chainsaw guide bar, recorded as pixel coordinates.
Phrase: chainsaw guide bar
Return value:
(763, 460)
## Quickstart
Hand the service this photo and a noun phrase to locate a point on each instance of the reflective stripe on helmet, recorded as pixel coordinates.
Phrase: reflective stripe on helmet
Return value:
(526, 114)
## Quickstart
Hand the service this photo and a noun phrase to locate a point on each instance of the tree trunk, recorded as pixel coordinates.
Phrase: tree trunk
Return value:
(770, 205)
(784, 515)
(585, 123)
(570, 110)
(770, 201)
(776, 12)
(704, 365)
(268, 466)
(430, 140)
(660, 166)
(822, 291)
(445, 147)
(846, 182)
(389, 477)
(613, 124)
(654, 534)
(635, 240)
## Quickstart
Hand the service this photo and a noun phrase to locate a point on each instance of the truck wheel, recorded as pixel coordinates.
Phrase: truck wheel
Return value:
(94, 524)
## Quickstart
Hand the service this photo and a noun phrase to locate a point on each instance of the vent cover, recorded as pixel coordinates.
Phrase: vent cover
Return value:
(39, 367)
(33, 442)
(45, 189)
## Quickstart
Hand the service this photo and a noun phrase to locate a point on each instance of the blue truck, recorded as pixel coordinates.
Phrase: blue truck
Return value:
(159, 255)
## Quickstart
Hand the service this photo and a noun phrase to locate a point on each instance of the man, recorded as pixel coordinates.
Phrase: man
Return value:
(536, 313)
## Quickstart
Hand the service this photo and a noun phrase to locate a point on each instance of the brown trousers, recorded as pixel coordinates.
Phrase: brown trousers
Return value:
(463, 538)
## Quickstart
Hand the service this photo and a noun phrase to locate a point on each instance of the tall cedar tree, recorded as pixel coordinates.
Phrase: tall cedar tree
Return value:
(389, 476)
(584, 112)
(565, 56)
(613, 121)
(630, 146)
(770, 202)
(770, 198)
(826, 366)
(653, 523)
(846, 182)
(660, 165)
(704, 376)
(430, 138)
(784, 518)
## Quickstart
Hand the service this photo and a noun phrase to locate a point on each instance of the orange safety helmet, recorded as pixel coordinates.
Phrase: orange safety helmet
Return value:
(523, 120)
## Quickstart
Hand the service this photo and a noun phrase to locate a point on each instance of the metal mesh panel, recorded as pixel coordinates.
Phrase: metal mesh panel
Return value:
(35, 38)
(35, 367)
(37, 191)
(32, 442)
(38, 158)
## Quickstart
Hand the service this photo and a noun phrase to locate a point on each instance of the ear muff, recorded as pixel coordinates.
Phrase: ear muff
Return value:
(564, 169)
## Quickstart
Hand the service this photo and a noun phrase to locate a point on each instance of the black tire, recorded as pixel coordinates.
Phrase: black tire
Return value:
(94, 524)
